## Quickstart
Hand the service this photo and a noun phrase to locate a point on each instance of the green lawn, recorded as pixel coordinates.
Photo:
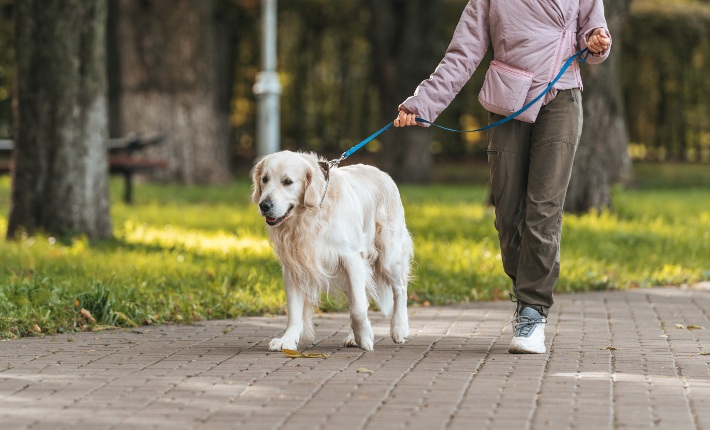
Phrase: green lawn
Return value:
(182, 254)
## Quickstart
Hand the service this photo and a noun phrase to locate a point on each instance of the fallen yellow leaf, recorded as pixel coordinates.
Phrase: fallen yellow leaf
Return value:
(690, 327)
(37, 329)
(291, 353)
(295, 354)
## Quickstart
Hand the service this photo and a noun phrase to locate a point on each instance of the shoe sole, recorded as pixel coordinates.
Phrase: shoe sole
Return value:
(519, 346)
(523, 350)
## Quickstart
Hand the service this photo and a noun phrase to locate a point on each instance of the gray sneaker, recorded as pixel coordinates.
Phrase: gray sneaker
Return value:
(529, 336)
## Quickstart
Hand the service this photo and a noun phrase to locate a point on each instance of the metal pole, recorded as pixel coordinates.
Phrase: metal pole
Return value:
(267, 87)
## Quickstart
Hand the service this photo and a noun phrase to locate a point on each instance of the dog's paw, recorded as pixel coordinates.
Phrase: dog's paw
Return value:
(278, 344)
(399, 332)
(400, 336)
(367, 344)
(366, 341)
(349, 342)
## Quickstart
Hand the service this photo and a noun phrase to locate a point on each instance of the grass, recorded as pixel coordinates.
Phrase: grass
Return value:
(183, 254)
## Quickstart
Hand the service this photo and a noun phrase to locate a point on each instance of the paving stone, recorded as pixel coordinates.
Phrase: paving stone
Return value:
(615, 360)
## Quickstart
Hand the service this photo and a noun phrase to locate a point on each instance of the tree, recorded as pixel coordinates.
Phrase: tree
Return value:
(167, 77)
(602, 158)
(60, 180)
(402, 37)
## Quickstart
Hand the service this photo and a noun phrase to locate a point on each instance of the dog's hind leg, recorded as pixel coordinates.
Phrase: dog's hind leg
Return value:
(295, 301)
(359, 275)
(399, 325)
(393, 266)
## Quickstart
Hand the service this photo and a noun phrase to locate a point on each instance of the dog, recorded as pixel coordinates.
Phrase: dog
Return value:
(341, 227)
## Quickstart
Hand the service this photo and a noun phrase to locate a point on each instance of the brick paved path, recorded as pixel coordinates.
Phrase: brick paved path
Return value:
(616, 360)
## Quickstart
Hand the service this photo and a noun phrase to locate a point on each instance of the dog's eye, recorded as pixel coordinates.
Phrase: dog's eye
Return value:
(265, 179)
(287, 182)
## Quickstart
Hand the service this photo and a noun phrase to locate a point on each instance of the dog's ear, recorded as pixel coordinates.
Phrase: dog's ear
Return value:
(256, 173)
(316, 178)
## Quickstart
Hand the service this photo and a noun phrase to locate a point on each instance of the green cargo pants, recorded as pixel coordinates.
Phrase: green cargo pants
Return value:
(529, 171)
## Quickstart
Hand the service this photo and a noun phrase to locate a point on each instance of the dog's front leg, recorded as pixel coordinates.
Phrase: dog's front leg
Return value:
(295, 300)
(358, 275)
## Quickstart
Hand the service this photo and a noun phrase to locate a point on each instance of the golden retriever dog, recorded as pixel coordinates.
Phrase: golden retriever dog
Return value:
(341, 227)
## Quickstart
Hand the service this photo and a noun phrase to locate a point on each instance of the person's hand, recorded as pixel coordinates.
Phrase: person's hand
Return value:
(598, 41)
(404, 119)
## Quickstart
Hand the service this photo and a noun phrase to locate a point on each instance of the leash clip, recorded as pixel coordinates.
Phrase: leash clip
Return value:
(326, 166)
(336, 162)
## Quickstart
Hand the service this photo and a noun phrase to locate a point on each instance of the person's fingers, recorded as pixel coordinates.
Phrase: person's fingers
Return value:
(593, 45)
(397, 120)
(598, 41)
(602, 39)
(404, 119)
(596, 44)
(600, 32)
(401, 119)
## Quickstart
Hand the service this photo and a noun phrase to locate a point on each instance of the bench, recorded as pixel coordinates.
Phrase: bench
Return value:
(5, 148)
(122, 158)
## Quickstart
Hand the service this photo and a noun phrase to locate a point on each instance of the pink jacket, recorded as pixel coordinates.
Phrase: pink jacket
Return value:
(531, 41)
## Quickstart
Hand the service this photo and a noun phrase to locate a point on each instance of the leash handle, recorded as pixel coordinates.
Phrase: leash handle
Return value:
(581, 55)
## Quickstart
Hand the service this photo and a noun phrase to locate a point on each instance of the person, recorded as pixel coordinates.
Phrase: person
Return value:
(530, 158)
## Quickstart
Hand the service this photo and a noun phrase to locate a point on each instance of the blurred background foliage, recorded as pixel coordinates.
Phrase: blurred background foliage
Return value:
(329, 99)
(666, 80)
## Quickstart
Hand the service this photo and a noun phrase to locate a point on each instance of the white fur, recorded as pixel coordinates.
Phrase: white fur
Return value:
(356, 240)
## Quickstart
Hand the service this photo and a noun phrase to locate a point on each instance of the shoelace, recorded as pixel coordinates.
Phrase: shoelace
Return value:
(524, 325)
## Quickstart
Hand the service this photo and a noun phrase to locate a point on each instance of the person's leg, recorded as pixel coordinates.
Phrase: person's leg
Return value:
(554, 140)
(508, 158)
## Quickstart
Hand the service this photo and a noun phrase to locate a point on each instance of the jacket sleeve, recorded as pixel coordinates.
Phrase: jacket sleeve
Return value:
(591, 17)
(465, 52)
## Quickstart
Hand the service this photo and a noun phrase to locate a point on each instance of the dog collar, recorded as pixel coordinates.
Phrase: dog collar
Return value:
(325, 167)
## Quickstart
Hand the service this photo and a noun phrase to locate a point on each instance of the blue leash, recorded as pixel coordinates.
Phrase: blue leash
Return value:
(581, 55)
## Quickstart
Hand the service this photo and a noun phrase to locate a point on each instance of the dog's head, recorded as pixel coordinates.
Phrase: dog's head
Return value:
(285, 181)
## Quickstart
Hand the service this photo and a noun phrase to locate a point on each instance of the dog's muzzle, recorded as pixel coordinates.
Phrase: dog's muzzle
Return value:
(266, 207)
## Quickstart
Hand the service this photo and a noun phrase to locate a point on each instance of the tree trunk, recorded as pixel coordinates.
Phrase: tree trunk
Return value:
(60, 181)
(404, 55)
(168, 82)
(602, 157)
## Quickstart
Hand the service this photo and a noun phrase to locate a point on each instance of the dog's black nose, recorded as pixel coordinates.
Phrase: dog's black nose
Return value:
(266, 206)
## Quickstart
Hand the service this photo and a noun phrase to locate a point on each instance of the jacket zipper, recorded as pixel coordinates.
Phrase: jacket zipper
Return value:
(557, 56)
